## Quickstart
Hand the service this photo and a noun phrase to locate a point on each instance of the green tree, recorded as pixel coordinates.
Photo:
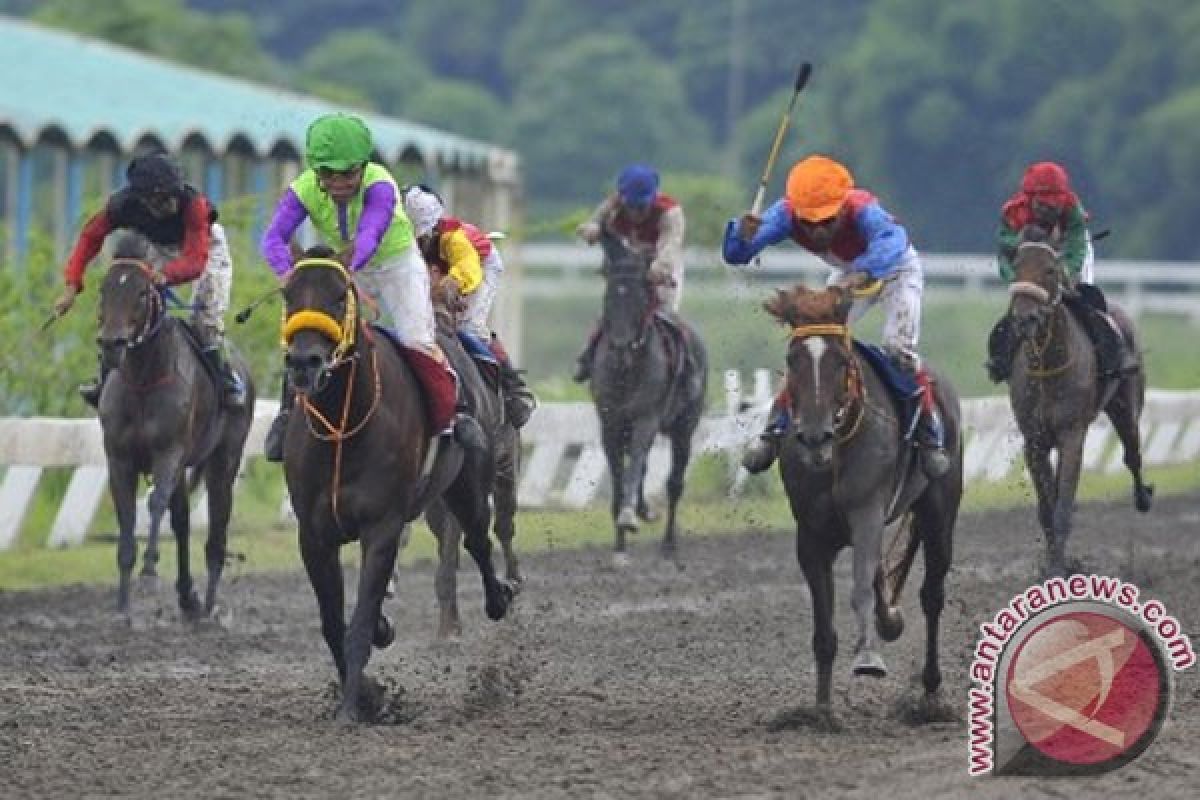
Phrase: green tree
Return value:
(461, 107)
(597, 104)
(368, 63)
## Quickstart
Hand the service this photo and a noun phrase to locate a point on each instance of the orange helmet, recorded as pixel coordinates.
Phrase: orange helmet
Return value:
(817, 187)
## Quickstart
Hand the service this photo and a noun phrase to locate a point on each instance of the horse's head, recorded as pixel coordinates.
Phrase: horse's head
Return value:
(627, 295)
(131, 307)
(823, 379)
(320, 319)
(1038, 280)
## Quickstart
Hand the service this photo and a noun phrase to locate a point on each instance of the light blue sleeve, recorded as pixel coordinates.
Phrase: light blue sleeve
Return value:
(887, 241)
(776, 226)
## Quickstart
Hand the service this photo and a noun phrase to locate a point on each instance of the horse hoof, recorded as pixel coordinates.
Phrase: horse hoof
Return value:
(385, 633)
(627, 521)
(189, 604)
(889, 623)
(497, 607)
(1142, 498)
(621, 560)
(870, 663)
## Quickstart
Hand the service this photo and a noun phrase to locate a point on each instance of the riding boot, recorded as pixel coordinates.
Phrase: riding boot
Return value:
(1001, 346)
(273, 446)
(519, 400)
(466, 430)
(930, 433)
(233, 391)
(90, 391)
(762, 454)
(1114, 356)
(583, 365)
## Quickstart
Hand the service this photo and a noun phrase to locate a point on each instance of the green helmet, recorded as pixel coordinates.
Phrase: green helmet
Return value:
(338, 142)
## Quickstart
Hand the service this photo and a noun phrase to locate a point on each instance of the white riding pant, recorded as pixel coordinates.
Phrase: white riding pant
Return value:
(479, 302)
(901, 301)
(210, 292)
(1087, 271)
(400, 286)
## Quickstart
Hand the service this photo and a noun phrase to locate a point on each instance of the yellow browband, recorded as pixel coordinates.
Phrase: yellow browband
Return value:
(341, 333)
(820, 329)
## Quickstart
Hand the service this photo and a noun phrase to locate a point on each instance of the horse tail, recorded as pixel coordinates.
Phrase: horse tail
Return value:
(195, 475)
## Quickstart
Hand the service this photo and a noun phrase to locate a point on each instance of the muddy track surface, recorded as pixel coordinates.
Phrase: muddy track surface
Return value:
(647, 682)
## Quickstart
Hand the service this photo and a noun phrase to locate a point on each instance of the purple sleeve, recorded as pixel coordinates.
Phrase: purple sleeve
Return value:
(288, 215)
(379, 205)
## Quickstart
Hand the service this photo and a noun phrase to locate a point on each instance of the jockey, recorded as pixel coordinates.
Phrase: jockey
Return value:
(354, 204)
(1045, 199)
(472, 267)
(186, 244)
(652, 223)
(825, 214)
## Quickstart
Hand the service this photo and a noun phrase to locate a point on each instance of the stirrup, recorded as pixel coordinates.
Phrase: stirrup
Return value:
(90, 392)
(761, 455)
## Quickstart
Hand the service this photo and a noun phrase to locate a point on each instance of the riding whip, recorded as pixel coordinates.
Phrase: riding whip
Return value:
(801, 79)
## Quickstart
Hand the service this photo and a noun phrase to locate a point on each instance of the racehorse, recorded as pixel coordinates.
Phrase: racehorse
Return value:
(649, 377)
(485, 400)
(160, 411)
(354, 461)
(850, 472)
(1056, 392)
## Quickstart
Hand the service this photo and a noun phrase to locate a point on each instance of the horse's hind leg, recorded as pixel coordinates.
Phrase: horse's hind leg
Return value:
(1125, 411)
(816, 562)
(934, 517)
(168, 472)
(505, 502)
(220, 477)
(469, 504)
(122, 484)
(445, 583)
(189, 603)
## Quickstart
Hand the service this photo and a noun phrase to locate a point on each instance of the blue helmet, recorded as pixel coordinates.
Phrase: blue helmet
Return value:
(637, 185)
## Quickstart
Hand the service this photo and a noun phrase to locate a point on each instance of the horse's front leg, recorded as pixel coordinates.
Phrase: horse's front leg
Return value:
(816, 562)
(167, 473)
(614, 439)
(1041, 472)
(1070, 462)
(324, 568)
(681, 451)
(641, 437)
(379, 544)
(866, 537)
(122, 485)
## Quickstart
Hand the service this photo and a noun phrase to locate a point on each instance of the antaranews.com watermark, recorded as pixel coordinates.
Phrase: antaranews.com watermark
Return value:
(1073, 676)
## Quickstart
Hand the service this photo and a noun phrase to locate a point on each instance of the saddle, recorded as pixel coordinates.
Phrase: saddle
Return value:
(902, 386)
(483, 357)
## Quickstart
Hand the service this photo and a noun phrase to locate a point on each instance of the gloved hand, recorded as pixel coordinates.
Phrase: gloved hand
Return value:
(452, 295)
(660, 275)
(589, 232)
(748, 226)
(64, 302)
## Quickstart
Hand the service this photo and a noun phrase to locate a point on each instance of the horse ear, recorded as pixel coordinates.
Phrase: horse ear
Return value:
(781, 306)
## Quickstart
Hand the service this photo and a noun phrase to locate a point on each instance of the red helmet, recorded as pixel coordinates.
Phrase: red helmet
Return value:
(1047, 181)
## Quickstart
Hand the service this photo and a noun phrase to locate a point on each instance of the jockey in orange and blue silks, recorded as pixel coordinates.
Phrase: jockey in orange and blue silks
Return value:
(823, 212)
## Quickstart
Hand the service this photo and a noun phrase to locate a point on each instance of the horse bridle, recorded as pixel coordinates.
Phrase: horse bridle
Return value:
(156, 314)
(1049, 302)
(343, 332)
(1033, 290)
(848, 416)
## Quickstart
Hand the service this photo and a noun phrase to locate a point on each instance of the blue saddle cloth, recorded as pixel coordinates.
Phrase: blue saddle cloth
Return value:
(901, 385)
(476, 347)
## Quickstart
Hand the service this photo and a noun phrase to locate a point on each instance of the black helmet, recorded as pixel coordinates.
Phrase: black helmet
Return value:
(154, 174)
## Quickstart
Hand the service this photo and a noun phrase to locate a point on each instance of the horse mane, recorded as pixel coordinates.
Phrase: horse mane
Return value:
(319, 251)
(800, 305)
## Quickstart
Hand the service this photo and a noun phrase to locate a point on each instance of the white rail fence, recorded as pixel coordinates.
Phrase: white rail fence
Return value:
(1140, 286)
(564, 466)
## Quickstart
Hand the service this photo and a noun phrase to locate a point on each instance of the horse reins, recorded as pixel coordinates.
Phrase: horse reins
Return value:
(1042, 296)
(344, 335)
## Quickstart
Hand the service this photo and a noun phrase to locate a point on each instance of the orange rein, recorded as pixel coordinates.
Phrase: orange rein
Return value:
(344, 334)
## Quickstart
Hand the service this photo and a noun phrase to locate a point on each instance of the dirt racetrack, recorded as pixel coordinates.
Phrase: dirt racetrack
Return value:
(644, 683)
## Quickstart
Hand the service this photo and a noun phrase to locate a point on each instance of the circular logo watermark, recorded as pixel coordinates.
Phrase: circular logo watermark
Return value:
(1073, 677)
(1087, 689)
